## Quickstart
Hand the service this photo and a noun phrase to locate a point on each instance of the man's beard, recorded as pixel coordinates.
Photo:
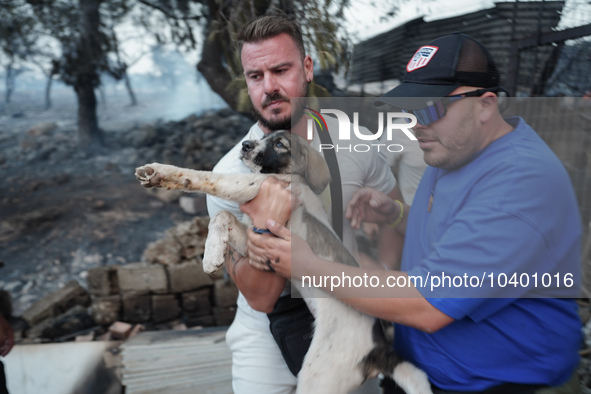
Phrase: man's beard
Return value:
(280, 124)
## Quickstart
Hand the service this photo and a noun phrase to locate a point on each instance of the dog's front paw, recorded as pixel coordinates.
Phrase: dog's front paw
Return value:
(150, 175)
(209, 266)
(213, 258)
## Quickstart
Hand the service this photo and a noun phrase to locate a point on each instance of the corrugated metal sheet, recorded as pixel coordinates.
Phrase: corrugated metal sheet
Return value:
(192, 361)
(384, 57)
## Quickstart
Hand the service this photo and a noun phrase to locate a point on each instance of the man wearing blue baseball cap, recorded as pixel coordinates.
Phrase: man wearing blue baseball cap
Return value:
(494, 200)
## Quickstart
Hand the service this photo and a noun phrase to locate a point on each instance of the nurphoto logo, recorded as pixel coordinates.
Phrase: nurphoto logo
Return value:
(395, 122)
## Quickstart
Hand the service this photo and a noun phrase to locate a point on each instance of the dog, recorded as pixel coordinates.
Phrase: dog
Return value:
(365, 352)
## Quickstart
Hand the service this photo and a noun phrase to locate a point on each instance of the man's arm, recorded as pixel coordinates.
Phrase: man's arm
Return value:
(404, 305)
(261, 289)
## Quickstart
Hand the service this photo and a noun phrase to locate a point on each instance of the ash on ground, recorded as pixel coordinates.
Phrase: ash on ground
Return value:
(63, 212)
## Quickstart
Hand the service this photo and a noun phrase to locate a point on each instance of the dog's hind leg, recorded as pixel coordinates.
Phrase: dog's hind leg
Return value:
(342, 336)
(411, 379)
(224, 229)
(384, 359)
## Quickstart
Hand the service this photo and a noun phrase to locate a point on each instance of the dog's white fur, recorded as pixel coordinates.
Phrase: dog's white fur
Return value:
(343, 336)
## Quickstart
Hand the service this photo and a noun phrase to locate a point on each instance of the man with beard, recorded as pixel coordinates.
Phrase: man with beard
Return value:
(276, 69)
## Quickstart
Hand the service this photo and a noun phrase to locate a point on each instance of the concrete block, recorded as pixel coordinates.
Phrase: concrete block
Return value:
(203, 321)
(141, 278)
(102, 281)
(224, 316)
(225, 293)
(106, 310)
(187, 276)
(62, 327)
(84, 338)
(137, 308)
(164, 307)
(57, 302)
(197, 303)
(120, 330)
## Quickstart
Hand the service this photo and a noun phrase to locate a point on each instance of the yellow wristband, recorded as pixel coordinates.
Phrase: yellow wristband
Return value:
(400, 215)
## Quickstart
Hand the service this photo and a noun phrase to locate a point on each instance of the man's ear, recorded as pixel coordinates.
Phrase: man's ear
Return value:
(489, 105)
(309, 68)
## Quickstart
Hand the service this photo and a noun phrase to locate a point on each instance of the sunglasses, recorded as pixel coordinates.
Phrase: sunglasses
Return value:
(437, 110)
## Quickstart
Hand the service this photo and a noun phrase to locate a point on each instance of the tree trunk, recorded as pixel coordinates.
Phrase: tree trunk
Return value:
(215, 74)
(103, 96)
(89, 54)
(129, 89)
(89, 134)
(10, 76)
(48, 92)
(212, 65)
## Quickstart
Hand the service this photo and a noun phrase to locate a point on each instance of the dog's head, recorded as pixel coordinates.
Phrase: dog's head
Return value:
(281, 152)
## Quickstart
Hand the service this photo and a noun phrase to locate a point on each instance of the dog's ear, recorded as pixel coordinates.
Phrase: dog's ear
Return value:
(310, 164)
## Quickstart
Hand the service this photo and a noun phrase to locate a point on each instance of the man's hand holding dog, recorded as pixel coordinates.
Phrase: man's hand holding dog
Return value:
(272, 202)
(272, 252)
(276, 251)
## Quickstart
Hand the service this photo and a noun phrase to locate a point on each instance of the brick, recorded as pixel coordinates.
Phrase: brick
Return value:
(136, 308)
(57, 302)
(187, 276)
(141, 278)
(203, 321)
(120, 330)
(225, 293)
(224, 316)
(106, 310)
(164, 307)
(197, 303)
(62, 326)
(102, 281)
(136, 330)
(84, 338)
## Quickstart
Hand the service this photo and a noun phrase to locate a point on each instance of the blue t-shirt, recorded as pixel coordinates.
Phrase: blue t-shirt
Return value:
(511, 209)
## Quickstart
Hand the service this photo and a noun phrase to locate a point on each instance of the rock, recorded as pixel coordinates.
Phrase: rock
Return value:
(185, 242)
(41, 129)
(57, 302)
(106, 310)
(72, 321)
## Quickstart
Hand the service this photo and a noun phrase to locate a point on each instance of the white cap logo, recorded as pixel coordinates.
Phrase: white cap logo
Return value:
(421, 58)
